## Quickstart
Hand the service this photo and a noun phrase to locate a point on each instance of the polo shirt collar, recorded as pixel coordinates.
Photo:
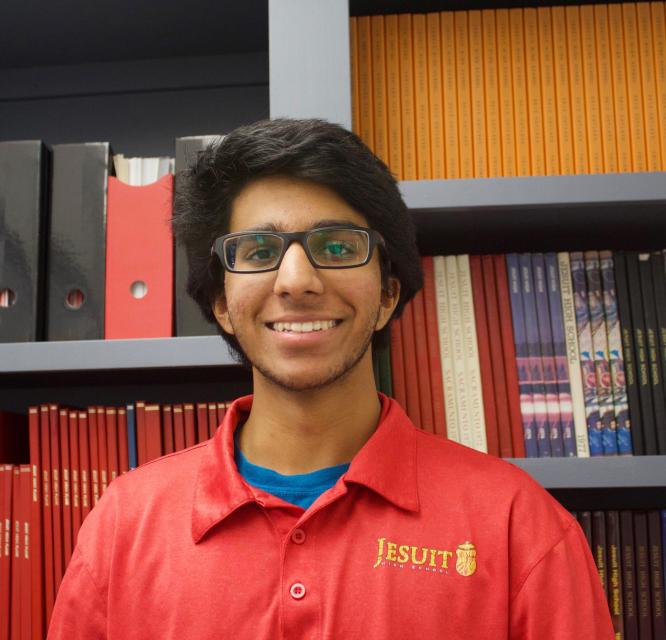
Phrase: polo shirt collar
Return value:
(220, 490)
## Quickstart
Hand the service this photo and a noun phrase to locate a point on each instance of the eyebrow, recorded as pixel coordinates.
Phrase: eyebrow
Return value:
(329, 222)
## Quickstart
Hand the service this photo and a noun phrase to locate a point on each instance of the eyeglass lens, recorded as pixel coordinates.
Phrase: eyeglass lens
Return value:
(327, 247)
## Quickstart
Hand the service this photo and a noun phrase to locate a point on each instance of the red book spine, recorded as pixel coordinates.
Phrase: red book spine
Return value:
(123, 451)
(434, 356)
(56, 497)
(153, 432)
(65, 487)
(212, 419)
(411, 366)
(141, 453)
(398, 364)
(6, 475)
(75, 474)
(139, 255)
(112, 443)
(102, 451)
(36, 555)
(49, 572)
(84, 462)
(423, 363)
(202, 422)
(483, 340)
(656, 560)
(24, 550)
(509, 351)
(16, 555)
(497, 358)
(190, 429)
(178, 428)
(642, 551)
(95, 485)
(221, 411)
(167, 428)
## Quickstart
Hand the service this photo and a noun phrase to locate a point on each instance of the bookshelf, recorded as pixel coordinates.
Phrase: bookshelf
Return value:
(452, 216)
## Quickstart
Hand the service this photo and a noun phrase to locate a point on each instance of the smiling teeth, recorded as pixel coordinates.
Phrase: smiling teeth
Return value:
(304, 327)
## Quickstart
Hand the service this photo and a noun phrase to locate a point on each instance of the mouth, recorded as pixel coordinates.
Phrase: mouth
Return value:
(303, 327)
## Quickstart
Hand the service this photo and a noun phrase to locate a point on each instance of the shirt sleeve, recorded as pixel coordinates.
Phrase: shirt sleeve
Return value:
(80, 608)
(562, 597)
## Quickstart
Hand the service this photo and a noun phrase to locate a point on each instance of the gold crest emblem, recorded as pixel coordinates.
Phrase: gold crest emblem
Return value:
(466, 559)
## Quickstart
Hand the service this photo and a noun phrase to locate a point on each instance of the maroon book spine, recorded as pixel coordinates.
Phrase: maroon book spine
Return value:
(49, 573)
(167, 428)
(103, 451)
(422, 363)
(123, 444)
(74, 474)
(36, 529)
(65, 487)
(56, 496)
(398, 364)
(656, 560)
(84, 461)
(190, 427)
(202, 421)
(629, 606)
(178, 428)
(413, 407)
(642, 548)
(614, 571)
(113, 464)
(153, 432)
(212, 418)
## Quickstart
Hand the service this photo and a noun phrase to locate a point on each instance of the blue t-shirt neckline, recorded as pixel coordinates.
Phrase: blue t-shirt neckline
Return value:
(300, 489)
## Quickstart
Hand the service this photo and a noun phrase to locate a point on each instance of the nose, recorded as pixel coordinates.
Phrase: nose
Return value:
(296, 275)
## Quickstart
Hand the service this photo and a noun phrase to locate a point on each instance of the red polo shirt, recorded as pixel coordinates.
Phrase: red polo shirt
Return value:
(421, 538)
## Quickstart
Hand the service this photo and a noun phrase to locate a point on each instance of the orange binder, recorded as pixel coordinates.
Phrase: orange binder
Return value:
(576, 89)
(534, 102)
(465, 138)
(139, 260)
(450, 94)
(353, 63)
(634, 86)
(518, 72)
(659, 40)
(437, 155)
(478, 97)
(506, 92)
(422, 111)
(606, 100)
(366, 116)
(393, 95)
(561, 63)
(379, 87)
(648, 82)
(620, 94)
(407, 113)
(491, 90)
(548, 92)
(595, 150)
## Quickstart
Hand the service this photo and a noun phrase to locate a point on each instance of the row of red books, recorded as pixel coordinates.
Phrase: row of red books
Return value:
(629, 549)
(74, 455)
(537, 355)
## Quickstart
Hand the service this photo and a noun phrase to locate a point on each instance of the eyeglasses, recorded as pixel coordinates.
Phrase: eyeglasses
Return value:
(326, 248)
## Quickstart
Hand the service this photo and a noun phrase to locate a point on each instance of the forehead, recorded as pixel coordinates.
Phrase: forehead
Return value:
(289, 204)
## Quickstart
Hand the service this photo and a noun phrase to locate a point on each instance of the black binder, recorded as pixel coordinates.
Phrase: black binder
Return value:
(189, 319)
(23, 192)
(77, 241)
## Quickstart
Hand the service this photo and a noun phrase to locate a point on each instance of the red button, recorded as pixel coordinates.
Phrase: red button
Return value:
(297, 591)
(298, 536)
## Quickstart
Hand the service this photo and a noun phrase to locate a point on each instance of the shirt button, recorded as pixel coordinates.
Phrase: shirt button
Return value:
(298, 536)
(297, 591)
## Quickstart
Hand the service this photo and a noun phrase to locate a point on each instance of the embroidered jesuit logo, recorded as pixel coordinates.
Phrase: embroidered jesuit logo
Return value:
(400, 556)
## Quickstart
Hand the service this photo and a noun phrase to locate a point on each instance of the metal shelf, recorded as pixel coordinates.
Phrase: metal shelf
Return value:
(109, 355)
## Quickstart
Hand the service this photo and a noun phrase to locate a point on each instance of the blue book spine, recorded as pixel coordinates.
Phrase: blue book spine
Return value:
(522, 356)
(554, 428)
(560, 355)
(131, 437)
(616, 358)
(542, 425)
(588, 373)
(601, 358)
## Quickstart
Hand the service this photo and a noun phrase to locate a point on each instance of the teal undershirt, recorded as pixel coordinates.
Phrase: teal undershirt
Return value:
(300, 489)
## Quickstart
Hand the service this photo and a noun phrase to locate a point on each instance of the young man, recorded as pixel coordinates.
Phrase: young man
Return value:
(318, 510)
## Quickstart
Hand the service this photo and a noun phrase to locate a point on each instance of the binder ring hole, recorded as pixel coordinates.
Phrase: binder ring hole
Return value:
(75, 299)
(138, 289)
(7, 298)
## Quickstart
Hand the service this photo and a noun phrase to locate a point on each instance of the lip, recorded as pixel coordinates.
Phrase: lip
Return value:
(293, 338)
(303, 319)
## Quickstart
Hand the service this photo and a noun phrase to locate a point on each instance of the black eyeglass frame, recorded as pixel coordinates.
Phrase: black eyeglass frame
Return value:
(374, 239)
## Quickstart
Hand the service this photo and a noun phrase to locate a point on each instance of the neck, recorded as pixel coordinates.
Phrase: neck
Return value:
(302, 431)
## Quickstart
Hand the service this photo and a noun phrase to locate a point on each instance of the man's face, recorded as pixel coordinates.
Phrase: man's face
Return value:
(297, 292)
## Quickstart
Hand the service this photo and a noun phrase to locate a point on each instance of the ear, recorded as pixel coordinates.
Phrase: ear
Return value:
(389, 301)
(221, 313)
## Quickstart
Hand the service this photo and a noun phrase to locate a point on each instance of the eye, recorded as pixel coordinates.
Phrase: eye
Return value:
(259, 254)
(339, 249)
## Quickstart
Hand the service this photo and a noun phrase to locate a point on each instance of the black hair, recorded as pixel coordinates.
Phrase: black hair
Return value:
(312, 150)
